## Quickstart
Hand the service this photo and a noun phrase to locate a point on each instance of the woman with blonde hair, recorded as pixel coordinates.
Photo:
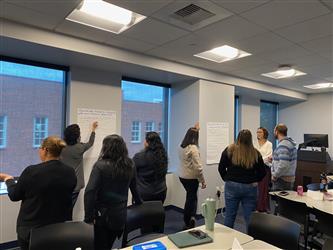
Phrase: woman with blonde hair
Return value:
(241, 167)
(45, 190)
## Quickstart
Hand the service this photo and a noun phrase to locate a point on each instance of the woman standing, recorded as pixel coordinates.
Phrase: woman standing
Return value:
(241, 167)
(191, 173)
(45, 190)
(152, 166)
(105, 197)
(72, 155)
(265, 148)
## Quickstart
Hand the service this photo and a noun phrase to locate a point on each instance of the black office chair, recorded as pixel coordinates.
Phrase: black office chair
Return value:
(322, 228)
(278, 231)
(64, 236)
(313, 186)
(149, 217)
(295, 211)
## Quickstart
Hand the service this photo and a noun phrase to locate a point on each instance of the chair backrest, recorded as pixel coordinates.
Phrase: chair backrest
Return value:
(64, 236)
(278, 231)
(325, 222)
(149, 216)
(313, 186)
(293, 210)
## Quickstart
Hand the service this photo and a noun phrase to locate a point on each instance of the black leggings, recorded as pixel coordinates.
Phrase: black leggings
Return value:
(191, 186)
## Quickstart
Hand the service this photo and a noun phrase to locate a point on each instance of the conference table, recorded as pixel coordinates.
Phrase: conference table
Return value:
(223, 238)
(323, 205)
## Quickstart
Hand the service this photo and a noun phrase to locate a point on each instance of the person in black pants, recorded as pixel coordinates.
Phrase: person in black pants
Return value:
(105, 197)
(45, 190)
(151, 167)
(191, 173)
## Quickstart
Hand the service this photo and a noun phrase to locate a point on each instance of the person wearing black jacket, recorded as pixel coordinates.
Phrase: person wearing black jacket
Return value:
(45, 190)
(105, 197)
(152, 166)
(241, 167)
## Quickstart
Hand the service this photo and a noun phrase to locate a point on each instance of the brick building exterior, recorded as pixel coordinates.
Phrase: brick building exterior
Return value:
(22, 100)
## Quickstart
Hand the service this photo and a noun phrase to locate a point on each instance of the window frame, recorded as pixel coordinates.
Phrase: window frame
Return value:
(152, 123)
(138, 130)
(236, 117)
(274, 142)
(35, 130)
(4, 131)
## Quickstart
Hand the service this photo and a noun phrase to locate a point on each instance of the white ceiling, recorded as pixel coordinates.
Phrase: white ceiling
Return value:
(297, 32)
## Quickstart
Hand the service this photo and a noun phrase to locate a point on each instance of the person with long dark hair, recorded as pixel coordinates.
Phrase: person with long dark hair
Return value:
(105, 197)
(241, 167)
(151, 167)
(191, 174)
(45, 190)
(72, 154)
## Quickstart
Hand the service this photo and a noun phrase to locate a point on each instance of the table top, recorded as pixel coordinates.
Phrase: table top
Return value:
(223, 238)
(323, 205)
(258, 245)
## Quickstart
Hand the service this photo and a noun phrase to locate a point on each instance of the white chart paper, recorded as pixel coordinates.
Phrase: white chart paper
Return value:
(106, 126)
(217, 140)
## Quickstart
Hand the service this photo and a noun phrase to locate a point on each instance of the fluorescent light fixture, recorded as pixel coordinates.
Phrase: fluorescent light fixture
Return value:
(222, 54)
(105, 16)
(284, 71)
(322, 85)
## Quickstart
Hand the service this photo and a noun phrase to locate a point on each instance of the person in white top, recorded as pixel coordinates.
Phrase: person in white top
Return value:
(265, 148)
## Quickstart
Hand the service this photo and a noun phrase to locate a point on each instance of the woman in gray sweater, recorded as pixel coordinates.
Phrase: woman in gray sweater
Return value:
(191, 174)
(72, 154)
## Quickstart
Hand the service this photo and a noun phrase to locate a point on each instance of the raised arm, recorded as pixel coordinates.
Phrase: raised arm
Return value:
(91, 141)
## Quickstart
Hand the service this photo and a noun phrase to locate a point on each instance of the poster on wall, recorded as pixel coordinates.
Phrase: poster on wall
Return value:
(217, 141)
(106, 126)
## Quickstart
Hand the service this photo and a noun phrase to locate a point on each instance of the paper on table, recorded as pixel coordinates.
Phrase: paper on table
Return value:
(217, 140)
(106, 126)
(236, 245)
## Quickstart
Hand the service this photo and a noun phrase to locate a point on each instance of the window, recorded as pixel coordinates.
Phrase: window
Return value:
(269, 118)
(143, 105)
(136, 132)
(40, 130)
(3, 131)
(32, 98)
(236, 118)
(150, 126)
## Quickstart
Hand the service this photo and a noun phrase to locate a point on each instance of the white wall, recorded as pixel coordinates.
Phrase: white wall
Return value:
(249, 113)
(312, 116)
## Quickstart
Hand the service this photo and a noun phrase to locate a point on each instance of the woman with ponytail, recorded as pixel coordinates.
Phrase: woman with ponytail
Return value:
(152, 166)
(105, 197)
(45, 190)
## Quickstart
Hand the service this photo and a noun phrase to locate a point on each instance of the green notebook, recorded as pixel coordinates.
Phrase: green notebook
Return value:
(185, 239)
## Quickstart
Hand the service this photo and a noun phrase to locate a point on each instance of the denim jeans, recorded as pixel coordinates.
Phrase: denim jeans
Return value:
(235, 193)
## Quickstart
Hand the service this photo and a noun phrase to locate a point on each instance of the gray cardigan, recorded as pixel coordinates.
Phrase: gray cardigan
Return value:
(72, 155)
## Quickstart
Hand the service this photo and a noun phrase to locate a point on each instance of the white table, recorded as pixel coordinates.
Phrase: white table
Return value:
(223, 237)
(323, 205)
(259, 245)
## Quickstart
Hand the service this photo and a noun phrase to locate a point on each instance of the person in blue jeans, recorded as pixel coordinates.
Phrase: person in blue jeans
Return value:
(241, 167)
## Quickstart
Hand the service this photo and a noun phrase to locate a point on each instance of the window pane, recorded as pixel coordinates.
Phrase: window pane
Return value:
(236, 118)
(38, 93)
(144, 103)
(268, 118)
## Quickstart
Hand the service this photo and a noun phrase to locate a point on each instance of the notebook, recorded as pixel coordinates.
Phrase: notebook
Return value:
(185, 239)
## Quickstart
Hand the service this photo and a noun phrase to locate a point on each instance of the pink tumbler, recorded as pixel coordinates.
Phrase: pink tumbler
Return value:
(300, 190)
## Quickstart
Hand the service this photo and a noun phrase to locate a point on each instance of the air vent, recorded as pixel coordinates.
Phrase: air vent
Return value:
(192, 14)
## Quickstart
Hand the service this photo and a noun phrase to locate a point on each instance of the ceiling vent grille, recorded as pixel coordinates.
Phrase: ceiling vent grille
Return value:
(192, 14)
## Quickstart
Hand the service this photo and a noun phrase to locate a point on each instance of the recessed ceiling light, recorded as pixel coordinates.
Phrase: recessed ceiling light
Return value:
(105, 16)
(222, 54)
(284, 71)
(322, 85)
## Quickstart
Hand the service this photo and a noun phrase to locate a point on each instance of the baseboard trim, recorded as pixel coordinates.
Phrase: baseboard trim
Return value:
(8, 245)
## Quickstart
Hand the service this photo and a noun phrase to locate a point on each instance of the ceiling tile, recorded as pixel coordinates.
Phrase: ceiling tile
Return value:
(155, 32)
(285, 54)
(279, 13)
(262, 43)
(329, 3)
(59, 8)
(308, 30)
(27, 16)
(323, 46)
(238, 6)
(320, 70)
(228, 30)
(144, 7)
(129, 43)
(82, 31)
